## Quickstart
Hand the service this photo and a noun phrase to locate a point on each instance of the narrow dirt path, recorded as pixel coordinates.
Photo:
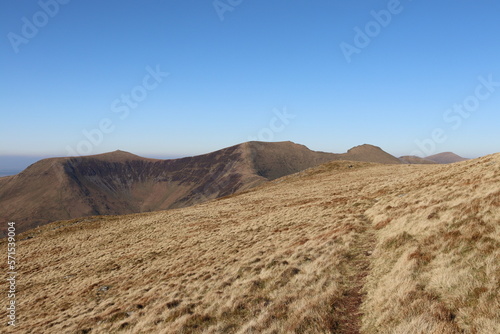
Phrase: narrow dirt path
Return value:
(347, 308)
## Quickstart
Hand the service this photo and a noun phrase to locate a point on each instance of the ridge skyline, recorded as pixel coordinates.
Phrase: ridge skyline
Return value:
(13, 164)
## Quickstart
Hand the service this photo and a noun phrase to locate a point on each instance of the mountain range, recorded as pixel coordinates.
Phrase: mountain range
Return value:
(120, 182)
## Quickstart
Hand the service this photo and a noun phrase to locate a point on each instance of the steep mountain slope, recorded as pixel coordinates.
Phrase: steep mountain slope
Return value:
(446, 158)
(339, 248)
(121, 183)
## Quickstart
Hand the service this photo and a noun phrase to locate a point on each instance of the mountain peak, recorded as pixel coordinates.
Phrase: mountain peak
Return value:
(446, 158)
(116, 156)
(370, 153)
(364, 147)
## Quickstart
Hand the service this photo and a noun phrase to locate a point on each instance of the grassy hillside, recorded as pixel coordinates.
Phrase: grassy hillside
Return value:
(341, 248)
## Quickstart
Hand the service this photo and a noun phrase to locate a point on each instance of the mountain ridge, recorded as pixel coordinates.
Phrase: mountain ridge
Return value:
(120, 182)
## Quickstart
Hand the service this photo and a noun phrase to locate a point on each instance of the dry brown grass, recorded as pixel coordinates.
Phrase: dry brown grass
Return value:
(384, 249)
(435, 264)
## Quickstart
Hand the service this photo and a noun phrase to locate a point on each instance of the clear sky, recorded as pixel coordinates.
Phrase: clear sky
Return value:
(408, 76)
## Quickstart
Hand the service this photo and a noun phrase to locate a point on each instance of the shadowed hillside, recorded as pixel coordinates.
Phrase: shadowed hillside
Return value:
(121, 183)
(345, 247)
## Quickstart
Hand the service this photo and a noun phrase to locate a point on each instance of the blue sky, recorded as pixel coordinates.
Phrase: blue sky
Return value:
(229, 78)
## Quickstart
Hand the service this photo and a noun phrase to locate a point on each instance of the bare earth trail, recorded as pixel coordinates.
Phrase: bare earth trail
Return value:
(369, 249)
(356, 269)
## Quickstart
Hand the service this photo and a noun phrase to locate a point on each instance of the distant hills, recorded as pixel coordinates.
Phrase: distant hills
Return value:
(121, 183)
(446, 158)
(411, 159)
(440, 158)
